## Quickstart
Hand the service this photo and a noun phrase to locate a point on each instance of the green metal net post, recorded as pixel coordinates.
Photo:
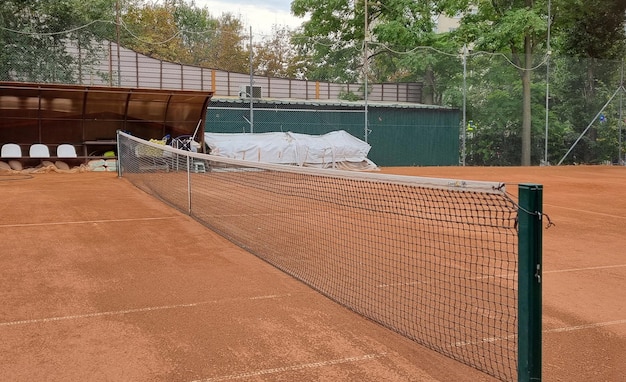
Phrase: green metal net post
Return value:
(529, 282)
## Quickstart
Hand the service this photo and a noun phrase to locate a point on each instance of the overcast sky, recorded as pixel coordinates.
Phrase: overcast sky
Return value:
(261, 15)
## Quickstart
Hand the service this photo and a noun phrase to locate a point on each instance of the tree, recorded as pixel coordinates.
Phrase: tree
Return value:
(334, 36)
(592, 28)
(152, 30)
(591, 36)
(274, 56)
(330, 38)
(515, 27)
(180, 32)
(227, 51)
(35, 36)
(406, 47)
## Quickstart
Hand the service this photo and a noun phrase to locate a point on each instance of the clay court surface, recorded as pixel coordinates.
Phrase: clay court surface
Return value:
(102, 282)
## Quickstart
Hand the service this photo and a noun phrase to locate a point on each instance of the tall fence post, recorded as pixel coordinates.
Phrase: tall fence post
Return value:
(119, 153)
(529, 282)
(189, 164)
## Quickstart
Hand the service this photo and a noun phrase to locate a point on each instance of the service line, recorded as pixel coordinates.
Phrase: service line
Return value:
(257, 373)
(129, 311)
(86, 222)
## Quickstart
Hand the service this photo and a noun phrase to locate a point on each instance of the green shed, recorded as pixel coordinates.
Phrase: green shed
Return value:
(400, 134)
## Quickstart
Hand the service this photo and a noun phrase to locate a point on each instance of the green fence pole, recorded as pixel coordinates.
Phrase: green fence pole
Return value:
(119, 153)
(529, 282)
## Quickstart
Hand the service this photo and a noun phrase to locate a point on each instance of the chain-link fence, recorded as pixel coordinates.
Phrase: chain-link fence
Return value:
(576, 106)
(576, 110)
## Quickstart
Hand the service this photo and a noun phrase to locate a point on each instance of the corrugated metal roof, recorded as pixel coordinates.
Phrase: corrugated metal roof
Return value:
(335, 103)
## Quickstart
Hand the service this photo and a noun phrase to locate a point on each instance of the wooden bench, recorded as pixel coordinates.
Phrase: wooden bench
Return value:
(82, 150)
(26, 160)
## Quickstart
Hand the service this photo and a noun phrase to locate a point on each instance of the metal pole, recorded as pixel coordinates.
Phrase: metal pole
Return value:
(365, 72)
(545, 155)
(589, 126)
(189, 164)
(119, 154)
(251, 94)
(464, 127)
(621, 116)
(529, 282)
(117, 32)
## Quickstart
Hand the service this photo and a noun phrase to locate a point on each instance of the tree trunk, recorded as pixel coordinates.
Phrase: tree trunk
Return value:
(428, 91)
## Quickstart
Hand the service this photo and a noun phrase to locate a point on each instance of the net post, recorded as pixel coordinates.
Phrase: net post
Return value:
(189, 164)
(119, 153)
(529, 282)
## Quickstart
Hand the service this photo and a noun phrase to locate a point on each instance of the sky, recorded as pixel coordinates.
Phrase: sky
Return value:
(261, 15)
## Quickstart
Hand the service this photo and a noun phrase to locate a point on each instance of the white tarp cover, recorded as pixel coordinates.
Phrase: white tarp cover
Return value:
(337, 149)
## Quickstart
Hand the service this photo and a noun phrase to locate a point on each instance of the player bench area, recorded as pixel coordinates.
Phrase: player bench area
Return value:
(22, 155)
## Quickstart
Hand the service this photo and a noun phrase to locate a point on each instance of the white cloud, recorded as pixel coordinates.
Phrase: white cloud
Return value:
(260, 15)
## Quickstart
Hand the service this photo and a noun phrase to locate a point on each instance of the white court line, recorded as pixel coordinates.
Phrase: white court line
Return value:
(292, 368)
(129, 311)
(86, 222)
(555, 330)
(586, 268)
(264, 214)
(587, 326)
(586, 211)
(512, 275)
(484, 340)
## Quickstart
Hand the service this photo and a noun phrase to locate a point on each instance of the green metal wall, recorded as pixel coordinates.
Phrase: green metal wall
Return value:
(398, 136)
(414, 137)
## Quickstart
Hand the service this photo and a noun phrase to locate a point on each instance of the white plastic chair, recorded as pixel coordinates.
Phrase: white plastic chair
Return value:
(39, 150)
(66, 151)
(11, 150)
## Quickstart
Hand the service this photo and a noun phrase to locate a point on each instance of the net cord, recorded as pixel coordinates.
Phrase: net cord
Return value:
(437, 183)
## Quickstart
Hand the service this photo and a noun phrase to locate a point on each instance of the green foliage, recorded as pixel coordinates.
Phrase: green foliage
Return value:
(349, 96)
(35, 36)
(333, 37)
(330, 37)
(274, 56)
(592, 28)
(493, 106)
(179, 32)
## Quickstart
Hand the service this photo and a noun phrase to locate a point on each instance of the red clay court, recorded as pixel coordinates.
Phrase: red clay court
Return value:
(103, 282)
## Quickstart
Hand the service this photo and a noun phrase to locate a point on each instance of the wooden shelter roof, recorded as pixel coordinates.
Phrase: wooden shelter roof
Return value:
(53, 113)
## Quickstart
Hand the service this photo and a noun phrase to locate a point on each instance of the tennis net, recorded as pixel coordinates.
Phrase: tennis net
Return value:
(434, 260)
